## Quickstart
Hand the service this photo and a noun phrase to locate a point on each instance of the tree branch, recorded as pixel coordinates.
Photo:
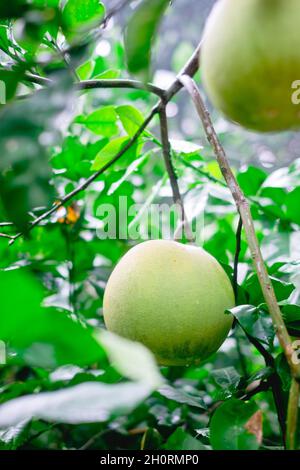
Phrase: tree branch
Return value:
(5, 235)
(94, 84)
(121, 83)
(190, 68)
(292, 415)
(243, 208)
(167, 154)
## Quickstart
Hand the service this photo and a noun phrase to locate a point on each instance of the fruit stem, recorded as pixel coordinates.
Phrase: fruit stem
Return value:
(177, 198)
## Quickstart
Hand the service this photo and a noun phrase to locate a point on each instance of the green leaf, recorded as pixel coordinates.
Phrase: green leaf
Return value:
(80, 15)
(131, 118)
(131, 169)
(140, 33)
(282, 289)
(108, 75)
(13, 437)
(227, 378)
(229, 426)
(84, 71)
(111, 150)
(101, 122)
(90, 402)
(251, 180)
(35, 332)
(255, 322)
(9, 81)
(132, 360)
(180, 396)
(185, 148)
(75, 158)
(291, 316)
(4, 41)
(292, 206)
(151, 440)
(181, 440)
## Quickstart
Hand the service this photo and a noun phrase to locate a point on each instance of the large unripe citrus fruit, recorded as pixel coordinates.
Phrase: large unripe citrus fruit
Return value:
(250, 58)
(172, 298)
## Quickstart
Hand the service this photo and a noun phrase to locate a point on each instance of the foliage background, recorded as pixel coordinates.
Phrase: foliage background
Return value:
(66, 384)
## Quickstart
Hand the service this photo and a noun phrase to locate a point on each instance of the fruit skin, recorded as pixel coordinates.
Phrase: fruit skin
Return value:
(172, 298)
(250, 57)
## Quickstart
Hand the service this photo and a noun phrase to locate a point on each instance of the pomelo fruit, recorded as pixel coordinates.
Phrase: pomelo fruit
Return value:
(172, 298)
(250, 59)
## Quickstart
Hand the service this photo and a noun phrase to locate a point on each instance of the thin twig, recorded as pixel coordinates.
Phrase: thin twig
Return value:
(94, 84)
(5, 235)
(6, 224)
(244, 210)
(275, 383)
(167, 154)
(190, 68)
(292, 415)
(237, 256)
(66, 59)
(37, 79)
(121, 83)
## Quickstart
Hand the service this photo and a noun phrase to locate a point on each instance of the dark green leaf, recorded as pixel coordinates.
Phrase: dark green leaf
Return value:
(140, 34)
(229, 426)
(35, 332)
(180, 396)
(181, 440)
(251, 180)
(256, 323)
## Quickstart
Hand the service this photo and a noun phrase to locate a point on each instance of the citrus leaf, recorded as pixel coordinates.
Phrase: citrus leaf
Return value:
(140, 34)
(231, 427)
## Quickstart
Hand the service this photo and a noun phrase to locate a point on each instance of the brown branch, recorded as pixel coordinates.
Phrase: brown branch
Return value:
(121, 83)
(244, 210)
(190, 68)
(167, 154)
(94, 84)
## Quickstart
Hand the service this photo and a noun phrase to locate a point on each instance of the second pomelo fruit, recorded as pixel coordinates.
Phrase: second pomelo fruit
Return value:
(250, 58)
(172, 298)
